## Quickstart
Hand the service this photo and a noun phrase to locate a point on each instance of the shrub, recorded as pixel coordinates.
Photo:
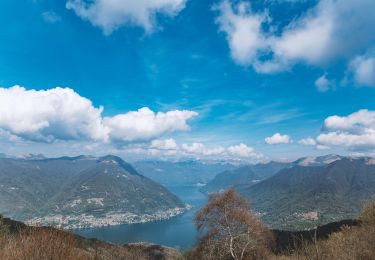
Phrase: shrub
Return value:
(231, 230)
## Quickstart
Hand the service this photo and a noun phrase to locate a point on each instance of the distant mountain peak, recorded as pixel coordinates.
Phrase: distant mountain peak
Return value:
(112, 159)
(318, 160)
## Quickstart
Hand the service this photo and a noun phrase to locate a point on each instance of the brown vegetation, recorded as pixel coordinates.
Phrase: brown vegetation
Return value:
(40, 243)
(231, 230)
(350, 243)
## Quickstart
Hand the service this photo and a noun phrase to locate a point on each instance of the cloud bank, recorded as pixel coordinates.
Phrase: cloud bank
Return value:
(62, 114)
(113, 14)
(355, 131)
(169, 147)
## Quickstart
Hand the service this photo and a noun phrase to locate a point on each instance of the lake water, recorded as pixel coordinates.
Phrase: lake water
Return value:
(176, 232)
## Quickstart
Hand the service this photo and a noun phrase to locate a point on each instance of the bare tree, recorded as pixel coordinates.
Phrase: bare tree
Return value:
(231, 230)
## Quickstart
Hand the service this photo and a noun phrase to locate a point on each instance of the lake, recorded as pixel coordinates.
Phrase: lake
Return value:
(176, 232)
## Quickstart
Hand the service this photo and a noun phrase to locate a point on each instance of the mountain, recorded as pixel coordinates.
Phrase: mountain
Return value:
(305, 196)
(317, 160)
(252, 174)
(248, 174)
(181, 173)
(82, 191)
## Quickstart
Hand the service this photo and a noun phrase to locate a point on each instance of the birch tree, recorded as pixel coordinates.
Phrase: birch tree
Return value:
(230, 230)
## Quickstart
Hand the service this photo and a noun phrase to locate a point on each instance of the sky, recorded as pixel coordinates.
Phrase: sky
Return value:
(176, 79)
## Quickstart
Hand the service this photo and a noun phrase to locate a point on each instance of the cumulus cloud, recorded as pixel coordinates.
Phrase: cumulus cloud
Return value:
(201, 149)
(145, 124)
(46, 115)
(355, 131)
(169, 147)
(278, 139)
(241, 150)
(307, 141)
(110, 15)
(323, 84)
(363, 70)
(62, 114)
(328, 31)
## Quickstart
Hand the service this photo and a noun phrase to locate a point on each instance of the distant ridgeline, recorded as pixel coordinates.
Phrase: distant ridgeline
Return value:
(190, 172)
(303, 194)
(82, 191)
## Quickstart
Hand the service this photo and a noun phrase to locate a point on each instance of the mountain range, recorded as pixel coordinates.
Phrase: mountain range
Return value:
(305, 193)
(82, 191)
(304, 196)
(189, 172)
(247, 174)
(252, 174)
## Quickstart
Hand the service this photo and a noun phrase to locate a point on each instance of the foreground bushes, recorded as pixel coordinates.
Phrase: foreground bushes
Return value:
(233, 232)
(38, 243)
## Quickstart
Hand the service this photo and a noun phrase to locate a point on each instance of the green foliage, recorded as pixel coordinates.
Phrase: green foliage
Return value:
(78, 185)
(245, 175)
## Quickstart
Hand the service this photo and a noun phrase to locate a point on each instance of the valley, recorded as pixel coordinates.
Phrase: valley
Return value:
(107, 198)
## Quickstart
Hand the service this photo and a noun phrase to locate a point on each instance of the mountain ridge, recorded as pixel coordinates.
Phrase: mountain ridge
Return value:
(82, 191)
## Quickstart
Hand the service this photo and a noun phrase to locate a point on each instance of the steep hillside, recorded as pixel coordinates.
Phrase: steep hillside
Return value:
(301, 197)
(252, 174)
(249, 175)
(82, 191)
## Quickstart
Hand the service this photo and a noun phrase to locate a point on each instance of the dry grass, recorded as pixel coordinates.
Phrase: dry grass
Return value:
(53, 244)
(351, 243)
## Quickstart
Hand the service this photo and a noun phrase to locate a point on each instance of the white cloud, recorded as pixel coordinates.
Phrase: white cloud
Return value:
(241, 150)
(363, 69)
(166, 144)
(355, 131)
(169, 147)
(62, 114)
(323, 84)
(244, 31)
(110, 15)
(307, 141)
(201, 149)
(145, 124)
(330, 30)
(278, 139)
(46, 115)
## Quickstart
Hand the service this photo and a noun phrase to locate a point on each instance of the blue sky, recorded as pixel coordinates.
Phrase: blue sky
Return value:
(236, 72)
